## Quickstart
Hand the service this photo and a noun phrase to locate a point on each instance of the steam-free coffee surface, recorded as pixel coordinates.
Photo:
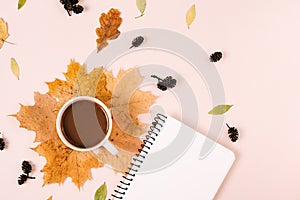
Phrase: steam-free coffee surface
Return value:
(84, 124)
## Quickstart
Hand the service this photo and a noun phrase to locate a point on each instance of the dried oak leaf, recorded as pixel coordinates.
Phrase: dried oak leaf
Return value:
(63, 162)
(108, 30)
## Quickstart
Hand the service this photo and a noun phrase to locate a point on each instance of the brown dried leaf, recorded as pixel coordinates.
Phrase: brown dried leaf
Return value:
(128, 102)
(123, 140)
(108, 30)
(63, 162)
(119, 162)
(50, 198)
(40, 117)
(3, 32)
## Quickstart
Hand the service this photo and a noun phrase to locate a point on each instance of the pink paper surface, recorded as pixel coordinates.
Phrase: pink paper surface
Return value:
(260, 70)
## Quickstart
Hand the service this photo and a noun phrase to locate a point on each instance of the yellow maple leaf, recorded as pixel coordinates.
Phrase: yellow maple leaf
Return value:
(127, 101)
(3, 32)
(63, 162)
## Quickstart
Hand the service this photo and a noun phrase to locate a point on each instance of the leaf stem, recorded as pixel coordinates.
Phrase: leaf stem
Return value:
(142, 14)
(228, 125)
(154, 76)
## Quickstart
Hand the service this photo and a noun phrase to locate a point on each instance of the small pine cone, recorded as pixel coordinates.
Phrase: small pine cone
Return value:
(137, 41)
(77, 9)
(161, 86)
(22, 179)
(2, 144)
(26, 167)
(233, 133)
(68, 6)
(74, 1)
(63, 1)
(169, 82)
(215, 57)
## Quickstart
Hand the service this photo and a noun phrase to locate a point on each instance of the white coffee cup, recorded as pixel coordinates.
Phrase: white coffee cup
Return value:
(104, 142)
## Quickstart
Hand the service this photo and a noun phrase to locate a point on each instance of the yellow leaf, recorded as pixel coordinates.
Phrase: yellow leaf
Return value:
(128, 102)
(3, 32)
(141, 5)
(50, 198)
(15, 68)
(190, 15)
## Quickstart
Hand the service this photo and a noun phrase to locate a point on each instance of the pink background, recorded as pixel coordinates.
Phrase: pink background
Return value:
(260, 41)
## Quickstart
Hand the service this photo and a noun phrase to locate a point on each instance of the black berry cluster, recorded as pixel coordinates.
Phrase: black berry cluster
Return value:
(233, 133)
(215, 57)
(2, 144)
(164, 84)
(136, 42)
(72, 6)
(27, 168)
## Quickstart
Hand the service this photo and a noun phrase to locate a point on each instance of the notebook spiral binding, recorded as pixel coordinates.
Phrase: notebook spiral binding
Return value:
(138, 159)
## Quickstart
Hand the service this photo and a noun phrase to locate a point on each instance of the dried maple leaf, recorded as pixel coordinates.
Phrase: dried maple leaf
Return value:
(40, 117)
(108, 30)
(63, 162)
(3, 32)
(127, 101)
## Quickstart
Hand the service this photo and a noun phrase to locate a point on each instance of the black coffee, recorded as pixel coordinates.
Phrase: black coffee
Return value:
(84, 124)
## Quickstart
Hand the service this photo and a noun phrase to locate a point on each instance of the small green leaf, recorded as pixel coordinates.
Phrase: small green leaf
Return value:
(141, 5)
(101, 193)
(15, 68)
(220, 109)
(21, 3)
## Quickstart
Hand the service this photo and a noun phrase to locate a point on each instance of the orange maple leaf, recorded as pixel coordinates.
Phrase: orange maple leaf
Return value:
(63, 162)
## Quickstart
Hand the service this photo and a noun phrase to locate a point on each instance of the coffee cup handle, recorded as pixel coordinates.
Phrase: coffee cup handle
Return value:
(110, 147)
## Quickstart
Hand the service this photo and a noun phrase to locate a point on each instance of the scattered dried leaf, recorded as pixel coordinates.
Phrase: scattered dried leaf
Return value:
(21, 3)
(108, 30)
(15, 68)
(3, 32)
(141, 5)
(190, 15)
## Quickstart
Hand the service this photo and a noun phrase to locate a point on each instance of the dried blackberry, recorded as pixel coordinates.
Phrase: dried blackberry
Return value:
(164, 84)
(233, 133)
(77, 9)
(136, 42)
(26, 167)
(215, 57)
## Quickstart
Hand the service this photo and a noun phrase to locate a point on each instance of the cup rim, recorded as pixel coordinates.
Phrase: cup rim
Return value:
(70, 102)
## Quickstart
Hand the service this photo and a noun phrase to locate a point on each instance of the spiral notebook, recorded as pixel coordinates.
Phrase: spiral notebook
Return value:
(187, 177)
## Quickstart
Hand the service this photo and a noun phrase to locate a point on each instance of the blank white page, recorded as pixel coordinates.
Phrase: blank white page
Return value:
(187, 178)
